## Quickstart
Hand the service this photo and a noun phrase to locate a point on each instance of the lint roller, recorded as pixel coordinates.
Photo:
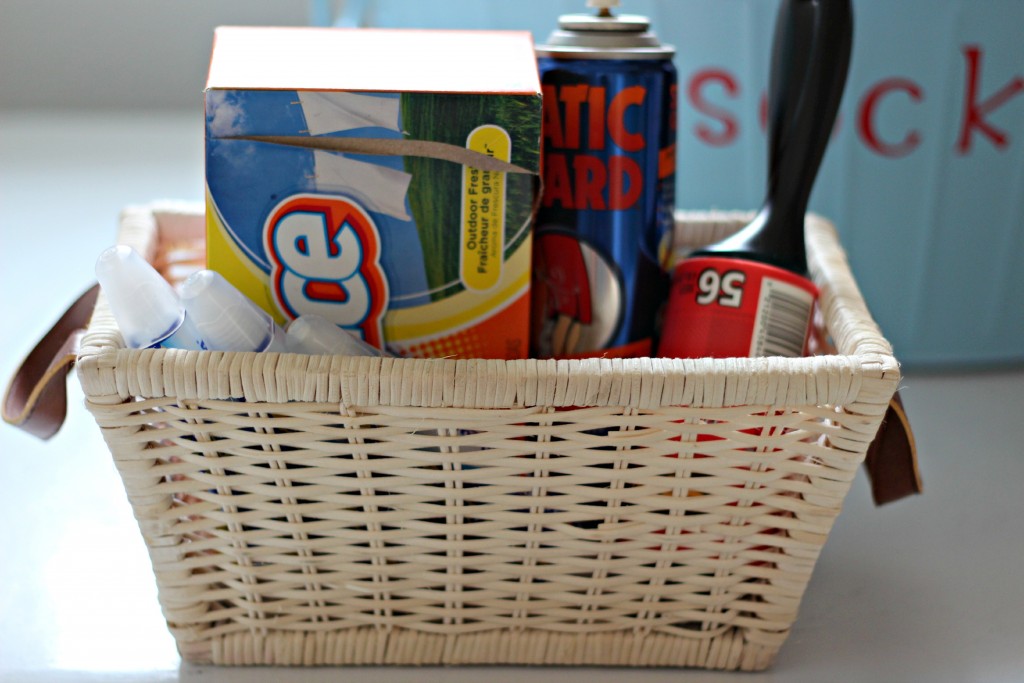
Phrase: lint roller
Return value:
(749, 294)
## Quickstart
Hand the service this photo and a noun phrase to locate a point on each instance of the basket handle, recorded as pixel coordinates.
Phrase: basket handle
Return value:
(36, 396)
(891, 461)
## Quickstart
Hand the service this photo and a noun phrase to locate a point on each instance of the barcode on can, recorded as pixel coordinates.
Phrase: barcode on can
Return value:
(783, 319)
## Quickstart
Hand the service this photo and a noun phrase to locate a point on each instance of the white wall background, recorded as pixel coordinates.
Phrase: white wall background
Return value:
(119, 54)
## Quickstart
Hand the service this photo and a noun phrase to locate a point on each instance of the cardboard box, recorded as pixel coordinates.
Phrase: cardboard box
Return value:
(384, 179)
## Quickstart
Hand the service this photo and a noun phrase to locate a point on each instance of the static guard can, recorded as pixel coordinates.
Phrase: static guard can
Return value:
(603, 230)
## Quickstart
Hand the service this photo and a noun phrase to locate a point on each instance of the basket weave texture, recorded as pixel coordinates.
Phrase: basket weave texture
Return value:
(316, 510)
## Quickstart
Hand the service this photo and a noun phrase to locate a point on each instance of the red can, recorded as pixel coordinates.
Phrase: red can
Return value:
(727, 307)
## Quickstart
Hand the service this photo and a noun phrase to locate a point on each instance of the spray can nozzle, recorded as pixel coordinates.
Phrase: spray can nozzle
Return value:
(603, 7)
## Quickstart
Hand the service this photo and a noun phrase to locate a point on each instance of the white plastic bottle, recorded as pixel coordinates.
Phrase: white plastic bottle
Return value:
(225, 318)
(148, 312)
(314, 334)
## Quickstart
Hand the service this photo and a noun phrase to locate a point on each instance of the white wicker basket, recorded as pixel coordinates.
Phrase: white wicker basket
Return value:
(316, 510)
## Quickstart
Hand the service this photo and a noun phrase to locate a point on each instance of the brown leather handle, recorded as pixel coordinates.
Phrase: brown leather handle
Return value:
(36, 397)
(891, 460)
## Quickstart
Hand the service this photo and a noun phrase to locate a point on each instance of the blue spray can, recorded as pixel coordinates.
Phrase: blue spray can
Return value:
(603, 231)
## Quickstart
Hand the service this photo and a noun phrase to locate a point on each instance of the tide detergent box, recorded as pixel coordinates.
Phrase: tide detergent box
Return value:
(382, 179)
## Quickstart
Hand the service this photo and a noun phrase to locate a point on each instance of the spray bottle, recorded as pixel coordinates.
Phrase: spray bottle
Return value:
(225, 318)
(145, 306)
(314, 334)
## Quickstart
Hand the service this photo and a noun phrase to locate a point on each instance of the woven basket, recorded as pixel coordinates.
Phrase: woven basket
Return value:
(316, 510)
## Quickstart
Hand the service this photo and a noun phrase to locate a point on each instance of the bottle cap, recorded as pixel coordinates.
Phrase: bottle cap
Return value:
(143, 303)
(315, 334)
(226, 319)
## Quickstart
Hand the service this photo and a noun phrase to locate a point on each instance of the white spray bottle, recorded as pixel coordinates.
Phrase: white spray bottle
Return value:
(148, 312)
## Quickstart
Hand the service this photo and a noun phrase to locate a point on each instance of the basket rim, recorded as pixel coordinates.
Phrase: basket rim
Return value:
(863, 369)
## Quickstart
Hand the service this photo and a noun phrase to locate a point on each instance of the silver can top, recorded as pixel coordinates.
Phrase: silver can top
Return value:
(604, 36)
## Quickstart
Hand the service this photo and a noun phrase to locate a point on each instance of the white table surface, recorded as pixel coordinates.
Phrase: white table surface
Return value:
(926, 589)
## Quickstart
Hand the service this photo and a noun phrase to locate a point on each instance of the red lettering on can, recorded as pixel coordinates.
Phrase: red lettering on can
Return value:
(595, 104)
(551, 118)
(557, 185)
(633, 96)
(573, 96)
(626, 182)
(591, 181)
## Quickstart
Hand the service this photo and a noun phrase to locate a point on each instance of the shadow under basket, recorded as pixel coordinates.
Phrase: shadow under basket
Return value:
(332, 510)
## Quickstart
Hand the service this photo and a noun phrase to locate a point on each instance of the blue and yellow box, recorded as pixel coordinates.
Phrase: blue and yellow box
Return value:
(384, 179)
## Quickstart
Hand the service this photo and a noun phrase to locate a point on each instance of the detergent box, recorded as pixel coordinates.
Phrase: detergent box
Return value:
(384, 179)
